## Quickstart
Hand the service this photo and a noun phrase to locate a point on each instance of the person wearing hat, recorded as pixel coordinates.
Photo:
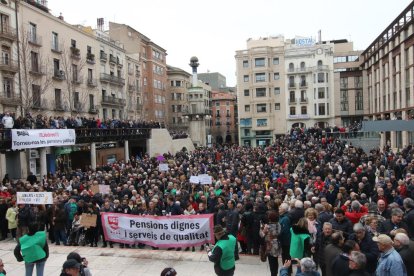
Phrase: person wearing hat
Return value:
(168, 271)
(70, 268)
(83, 269)
(223, 254)
(390, 262)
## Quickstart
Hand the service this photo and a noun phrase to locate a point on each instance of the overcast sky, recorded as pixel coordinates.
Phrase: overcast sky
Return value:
(213, 30)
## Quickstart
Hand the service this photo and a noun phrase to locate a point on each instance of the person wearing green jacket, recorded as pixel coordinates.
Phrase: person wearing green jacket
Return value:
(300, 241)
(223, 254)
(33, 249)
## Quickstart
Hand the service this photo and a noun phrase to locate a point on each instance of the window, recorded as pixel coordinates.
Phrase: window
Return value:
(32, 32)
(91, 102)
(76, 99)
(303, 110)
(260, 77)
(36, 95)
(217, 104)
(321, 109)
(277, 106)
(277, 90)
(74, 72)
(34, 57)
(261, 92)
(261, 122)
(343, 82)
(276, 76)
(73, 43)
(321, 77)
(344, 100)
(292, 96)
(247, 108)
(245, 63)
(55, 41)
(261, 108)
(56, 67)
(291, 67)
(259, 62)
(321, 93)
(303, 81)
(246, 132)
(8, 87)
(358, 81)
(302, 66)
(320, 63)
(292, 110)
(291, 81)
(359, 101)
(275, 61)
(246, 92)
(246, 78)
(58, 98)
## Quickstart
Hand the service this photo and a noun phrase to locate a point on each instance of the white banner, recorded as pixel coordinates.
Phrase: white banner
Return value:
(39, 198)
(163, 167)
(40, 138)
(158, 231)
(205, 179)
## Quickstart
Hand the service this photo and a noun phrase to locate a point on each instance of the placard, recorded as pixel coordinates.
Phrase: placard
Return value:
(38, 138)
(104, 189)
(205, 179)
(38, 198)
(194, 179)
(163, 167)
(88, 220)
(159, 231)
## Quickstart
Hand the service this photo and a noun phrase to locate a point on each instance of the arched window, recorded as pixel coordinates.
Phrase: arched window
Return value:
(320, 63)
(291, 67)
(302, 66)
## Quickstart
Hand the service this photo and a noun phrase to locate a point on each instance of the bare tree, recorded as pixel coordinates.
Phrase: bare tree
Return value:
(35, 78)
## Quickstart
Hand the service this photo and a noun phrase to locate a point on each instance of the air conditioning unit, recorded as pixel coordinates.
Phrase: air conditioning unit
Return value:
(34, 154)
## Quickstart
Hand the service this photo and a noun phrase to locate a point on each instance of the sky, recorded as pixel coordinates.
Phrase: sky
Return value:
(213, 30)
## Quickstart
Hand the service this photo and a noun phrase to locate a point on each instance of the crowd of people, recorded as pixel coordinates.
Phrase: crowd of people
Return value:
(308, 197)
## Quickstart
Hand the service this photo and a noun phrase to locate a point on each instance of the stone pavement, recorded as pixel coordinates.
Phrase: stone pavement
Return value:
(128, 262)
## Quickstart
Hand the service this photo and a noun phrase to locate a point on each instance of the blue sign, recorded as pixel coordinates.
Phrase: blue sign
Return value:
(306, 41)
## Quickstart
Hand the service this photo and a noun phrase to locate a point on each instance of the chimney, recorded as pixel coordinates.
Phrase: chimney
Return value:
(61, 17)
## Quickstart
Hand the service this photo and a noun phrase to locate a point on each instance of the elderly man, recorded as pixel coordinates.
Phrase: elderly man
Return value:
(367, 246)
(395, 222)
(401, 244)
(357, 262)
(306, 267)
(390, 262)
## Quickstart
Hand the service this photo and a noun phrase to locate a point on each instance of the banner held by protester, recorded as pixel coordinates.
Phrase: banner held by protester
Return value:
(167, 231)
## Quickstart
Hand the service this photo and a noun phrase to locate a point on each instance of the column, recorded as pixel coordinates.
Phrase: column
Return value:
(93, 156)
(43, 163)
(126, 150)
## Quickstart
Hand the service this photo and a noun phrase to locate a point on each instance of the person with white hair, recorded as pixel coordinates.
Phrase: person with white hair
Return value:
(305, 267)
(390, 263)
(401, 244)
(297, 212)
(284, 236)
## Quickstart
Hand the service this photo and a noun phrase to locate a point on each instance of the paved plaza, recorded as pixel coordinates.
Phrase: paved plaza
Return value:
(128, 262)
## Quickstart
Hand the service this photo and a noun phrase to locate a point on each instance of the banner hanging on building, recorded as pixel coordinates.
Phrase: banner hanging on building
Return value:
(34, 198)
(157, 231)
(40, 138)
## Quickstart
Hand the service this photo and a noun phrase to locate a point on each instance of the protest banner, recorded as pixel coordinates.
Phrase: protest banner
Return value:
(88, 220)
(158, 231)
(205, 179)
(38, 138)
(163, 167)
(194, 179)
(38, 198)
(104, 189)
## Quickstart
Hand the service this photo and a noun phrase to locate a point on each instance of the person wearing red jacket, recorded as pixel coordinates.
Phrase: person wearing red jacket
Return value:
(4, 193)
(356, 212)
(319, 184)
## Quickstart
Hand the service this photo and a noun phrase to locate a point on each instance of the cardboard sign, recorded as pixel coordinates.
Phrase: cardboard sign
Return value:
(41, 198)
(88, 220)
(163, 167)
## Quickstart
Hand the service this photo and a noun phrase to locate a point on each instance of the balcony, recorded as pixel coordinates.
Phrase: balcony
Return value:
(90, 58)
(56, 47)
(8, 33)
(8, 65)
(75, 53)
(110, 100)
(9, 98)
(92, 82)
(131, 87)
(94, 109)
(58, 106)
(77, 79)
(37, 70)
(292, 85)
(59, 75)
(292, 101)
(103, 56)
(112, 79)
(40, 104)
(112, 59)
(78, 107)
(300, 70)
(303, 84)
(304, 100)
(34, 39)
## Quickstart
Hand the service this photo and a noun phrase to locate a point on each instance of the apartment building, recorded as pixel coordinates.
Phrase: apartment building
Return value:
(260, 98)
(153, 69)
(135, 101)
(178, 83)
(224, 120)
(388, 73)
(350, 103)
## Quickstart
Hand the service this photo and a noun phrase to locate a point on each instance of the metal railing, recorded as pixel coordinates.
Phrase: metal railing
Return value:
(8, 32)
(113, 100)
(112, 79)
(34, 39)
(8, 64)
